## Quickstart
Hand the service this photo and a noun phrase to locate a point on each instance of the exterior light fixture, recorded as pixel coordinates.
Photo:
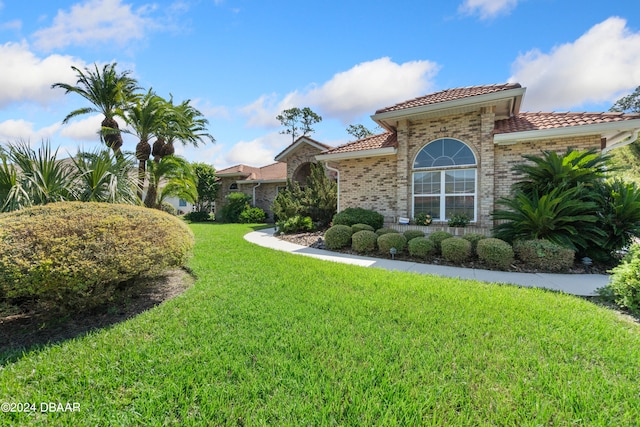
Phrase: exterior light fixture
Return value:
(393, 252)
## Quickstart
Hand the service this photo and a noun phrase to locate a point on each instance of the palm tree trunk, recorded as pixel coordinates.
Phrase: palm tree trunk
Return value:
(112, 136)
(143, 151)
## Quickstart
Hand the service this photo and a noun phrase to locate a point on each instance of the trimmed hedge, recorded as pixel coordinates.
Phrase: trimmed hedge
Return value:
(386, 230)
(391, 240)
(495, 253)
(364, 241)
(73, 255)
(474, 238)
(412, 234)
(338, 236)
(421, 247)
(456, 249)
(351, 216)
(437, 237)
(359, 227)
(544, 255)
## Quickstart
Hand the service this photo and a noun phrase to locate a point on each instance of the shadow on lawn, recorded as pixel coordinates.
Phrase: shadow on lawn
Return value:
(31, 330)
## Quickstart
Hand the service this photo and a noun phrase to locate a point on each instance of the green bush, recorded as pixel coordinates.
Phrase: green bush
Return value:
(421, 247)
(364, 241)
(459, 221)
(495, 253)
(412, 234)
(360, 227)
(73, 255)
(198, 216)
(252, 216)
(236, 203)
(338, 236)
(456, 249)
(391, 240)
(474, 238)
(544, 255)
(295, 224)
(386, 230)
(624, 285)
(351, 216)
(437, 237)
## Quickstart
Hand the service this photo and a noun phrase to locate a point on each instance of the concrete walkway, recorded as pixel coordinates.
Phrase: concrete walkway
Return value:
(576, 284)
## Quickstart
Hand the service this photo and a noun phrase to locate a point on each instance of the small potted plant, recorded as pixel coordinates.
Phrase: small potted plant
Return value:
(460, 220)
(423, 219)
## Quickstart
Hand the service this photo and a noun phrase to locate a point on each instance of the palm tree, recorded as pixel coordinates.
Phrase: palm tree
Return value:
(146, 117)
(184, 123)
(107, 91)
(170, 176)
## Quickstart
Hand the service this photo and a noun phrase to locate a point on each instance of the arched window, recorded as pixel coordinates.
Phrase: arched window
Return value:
(233, 186)
(445, 180)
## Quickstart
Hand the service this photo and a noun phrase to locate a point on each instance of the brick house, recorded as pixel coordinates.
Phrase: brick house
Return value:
(451, 152)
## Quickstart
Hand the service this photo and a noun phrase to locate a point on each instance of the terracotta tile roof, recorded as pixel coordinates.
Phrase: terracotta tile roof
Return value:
(275, 171)
(539, 121)
(449, 95)
(383, 140)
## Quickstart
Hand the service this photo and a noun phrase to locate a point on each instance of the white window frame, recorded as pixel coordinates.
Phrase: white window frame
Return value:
(443, 194)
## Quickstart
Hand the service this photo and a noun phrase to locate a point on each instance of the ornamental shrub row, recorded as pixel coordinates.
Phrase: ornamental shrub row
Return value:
(73, 255)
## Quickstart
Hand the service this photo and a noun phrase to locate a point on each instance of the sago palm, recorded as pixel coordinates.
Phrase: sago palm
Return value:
(107, 91)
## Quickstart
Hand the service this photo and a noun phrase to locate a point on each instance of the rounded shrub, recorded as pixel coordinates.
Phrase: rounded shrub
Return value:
(338, 237)
(412, 234)
(351, 216)
(359, 227)
(437, 237)
(474, 238)
(73, 255)
(200, 216)
(544, 255)
(295, 224)
(386, 230)
(495, 253)
(624, 286)
(252, 216)
(364, 241)
(421, 247)
(456, 249)
(391, 240)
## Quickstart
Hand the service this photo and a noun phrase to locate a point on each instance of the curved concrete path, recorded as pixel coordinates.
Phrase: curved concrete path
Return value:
(576, 284)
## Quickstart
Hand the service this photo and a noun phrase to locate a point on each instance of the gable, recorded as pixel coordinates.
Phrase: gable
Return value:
(304, 142)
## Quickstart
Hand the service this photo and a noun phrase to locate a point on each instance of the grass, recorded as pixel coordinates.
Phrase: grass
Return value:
(268, 338)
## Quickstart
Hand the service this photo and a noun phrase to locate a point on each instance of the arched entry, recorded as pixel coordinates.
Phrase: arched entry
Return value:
(302, 173)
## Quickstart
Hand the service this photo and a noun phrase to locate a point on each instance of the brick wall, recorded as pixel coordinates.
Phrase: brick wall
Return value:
(506, 156)
(304, 153)
(265, 194)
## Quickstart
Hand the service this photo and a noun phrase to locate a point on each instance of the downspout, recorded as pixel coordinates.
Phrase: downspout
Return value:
(338, 176)
(254, 193)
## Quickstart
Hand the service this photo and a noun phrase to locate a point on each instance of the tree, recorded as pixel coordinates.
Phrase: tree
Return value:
(359, 131)
(108, 91)
(207, 186)
(629, 103)
(146, 119)
(298, 122)
(172, 176)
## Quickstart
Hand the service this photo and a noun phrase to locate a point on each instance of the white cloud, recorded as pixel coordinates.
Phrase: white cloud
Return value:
(258, 152)
(95, 21)
(83, 130)
(487, 8)
(16, 24)
(352, 93)
(28, 78)
(22, 130)
(601, 65)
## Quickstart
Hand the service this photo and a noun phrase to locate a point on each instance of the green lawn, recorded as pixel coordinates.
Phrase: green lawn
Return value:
(268, 338)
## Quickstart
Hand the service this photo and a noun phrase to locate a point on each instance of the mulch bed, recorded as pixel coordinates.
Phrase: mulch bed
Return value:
(24, 328)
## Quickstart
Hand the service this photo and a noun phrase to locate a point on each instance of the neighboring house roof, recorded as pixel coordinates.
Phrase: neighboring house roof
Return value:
(274, 172)
(295, 144)
(450, 95)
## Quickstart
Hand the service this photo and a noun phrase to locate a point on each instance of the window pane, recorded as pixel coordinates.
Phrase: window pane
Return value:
(459, 205)
(427, 204)
(460, 181)
(444, 152)
(426, 183)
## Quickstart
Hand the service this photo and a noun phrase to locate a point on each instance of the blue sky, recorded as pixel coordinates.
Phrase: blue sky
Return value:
(241, 62)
